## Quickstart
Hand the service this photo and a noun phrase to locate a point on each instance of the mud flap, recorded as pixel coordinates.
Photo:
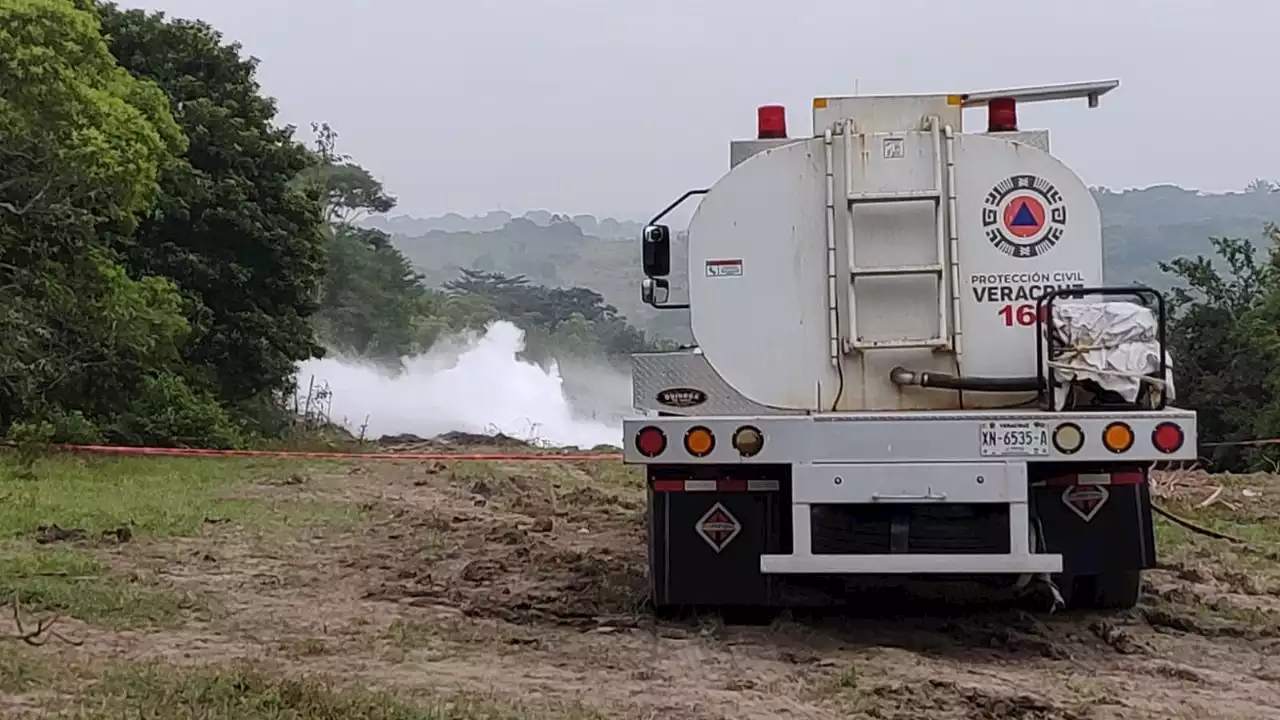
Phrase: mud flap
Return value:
(1097, 528)
(705, 547)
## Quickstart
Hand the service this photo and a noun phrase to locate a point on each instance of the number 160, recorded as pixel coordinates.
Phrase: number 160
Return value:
(1022, 315)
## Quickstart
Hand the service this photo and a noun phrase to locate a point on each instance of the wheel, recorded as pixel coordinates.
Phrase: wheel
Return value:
(1110, 591)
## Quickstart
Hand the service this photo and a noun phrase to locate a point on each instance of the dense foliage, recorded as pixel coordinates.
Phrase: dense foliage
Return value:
(168, 254)
(83, 146)
(1225, 333)
(244, 246)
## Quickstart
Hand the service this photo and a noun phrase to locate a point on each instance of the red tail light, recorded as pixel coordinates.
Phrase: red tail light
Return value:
(651, 441)
(1168, 438)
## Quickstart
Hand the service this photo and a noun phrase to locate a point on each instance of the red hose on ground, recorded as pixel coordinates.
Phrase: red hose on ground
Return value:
(197, 452)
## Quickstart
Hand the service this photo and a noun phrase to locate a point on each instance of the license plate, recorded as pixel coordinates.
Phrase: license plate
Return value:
(1014, 438)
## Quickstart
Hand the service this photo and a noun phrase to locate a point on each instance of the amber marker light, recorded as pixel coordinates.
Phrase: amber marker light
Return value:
(1117, 437)
(699, 441)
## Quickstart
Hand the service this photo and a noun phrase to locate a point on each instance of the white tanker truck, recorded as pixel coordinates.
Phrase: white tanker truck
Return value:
(906, 366)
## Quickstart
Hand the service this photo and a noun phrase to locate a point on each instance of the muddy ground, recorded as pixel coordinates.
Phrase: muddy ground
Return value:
(523, 584)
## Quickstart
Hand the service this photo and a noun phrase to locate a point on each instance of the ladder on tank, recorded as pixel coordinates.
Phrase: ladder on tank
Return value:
(942, 195)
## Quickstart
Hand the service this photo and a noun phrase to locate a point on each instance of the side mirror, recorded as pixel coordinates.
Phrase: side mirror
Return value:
(654, 292)
(656, 253)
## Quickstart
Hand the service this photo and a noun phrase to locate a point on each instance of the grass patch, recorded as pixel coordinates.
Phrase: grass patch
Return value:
(1228, 582)
(245, 692)
(158, 497)
(22, 670)
(626, 478)
(148, 496)
(444, 637)
(77, 585)
(413, 635)
(306, 647)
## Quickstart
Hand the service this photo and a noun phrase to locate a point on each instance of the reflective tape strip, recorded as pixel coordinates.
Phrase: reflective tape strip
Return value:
(1128, 477)
(728, 485)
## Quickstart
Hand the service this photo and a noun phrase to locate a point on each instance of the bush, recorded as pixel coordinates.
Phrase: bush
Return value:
(167, 412)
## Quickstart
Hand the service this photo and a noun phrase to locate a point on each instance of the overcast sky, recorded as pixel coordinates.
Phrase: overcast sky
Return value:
(613, 107)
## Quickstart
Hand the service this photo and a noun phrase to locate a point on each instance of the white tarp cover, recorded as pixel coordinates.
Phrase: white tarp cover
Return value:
(1114, 344)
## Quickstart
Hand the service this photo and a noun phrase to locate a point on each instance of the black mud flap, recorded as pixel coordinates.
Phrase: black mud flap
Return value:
(705, 547)
(1096, 527)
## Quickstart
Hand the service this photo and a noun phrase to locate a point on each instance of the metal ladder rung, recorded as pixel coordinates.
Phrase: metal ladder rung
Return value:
(904, 344)
(896, 271)
(894, 196)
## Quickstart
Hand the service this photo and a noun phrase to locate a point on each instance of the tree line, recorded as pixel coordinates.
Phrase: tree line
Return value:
(168, 254)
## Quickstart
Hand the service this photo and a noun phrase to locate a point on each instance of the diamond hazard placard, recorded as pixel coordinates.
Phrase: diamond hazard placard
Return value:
(1085, 500)
(718, 527)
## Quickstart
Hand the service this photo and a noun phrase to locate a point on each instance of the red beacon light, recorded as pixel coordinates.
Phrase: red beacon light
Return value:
(1002, 115)
(771, 122)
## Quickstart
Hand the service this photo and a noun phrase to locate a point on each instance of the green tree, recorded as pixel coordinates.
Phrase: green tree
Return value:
(348, 191)
(81, 146)
(1225, 343)
(371, 296)
(558, 321)
(243, 243)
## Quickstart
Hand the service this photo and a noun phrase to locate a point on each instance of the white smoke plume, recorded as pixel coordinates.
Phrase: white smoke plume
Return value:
(477, 384)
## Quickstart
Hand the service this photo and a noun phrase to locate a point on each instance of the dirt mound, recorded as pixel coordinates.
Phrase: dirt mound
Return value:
(948, 700)
(525, 548)
(478, 440)
(452, 441)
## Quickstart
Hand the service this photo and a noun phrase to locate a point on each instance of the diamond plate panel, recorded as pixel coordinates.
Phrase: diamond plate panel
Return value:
(652, 373)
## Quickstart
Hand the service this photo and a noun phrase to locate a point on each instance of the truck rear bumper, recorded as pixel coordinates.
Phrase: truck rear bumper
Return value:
(1008, 487)
(1014, 564)
(896, 485)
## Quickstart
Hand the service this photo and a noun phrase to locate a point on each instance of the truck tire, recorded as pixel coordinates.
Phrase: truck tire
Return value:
(1111, 591)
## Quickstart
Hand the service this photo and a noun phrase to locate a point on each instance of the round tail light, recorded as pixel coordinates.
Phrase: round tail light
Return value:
(1167, 438)
(651, 441)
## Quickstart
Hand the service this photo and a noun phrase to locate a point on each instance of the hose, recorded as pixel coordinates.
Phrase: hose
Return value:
(1196, 528)
(946, 381)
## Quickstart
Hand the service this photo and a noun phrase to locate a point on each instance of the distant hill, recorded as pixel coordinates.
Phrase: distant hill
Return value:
(559, 253)
(604, 228)
(1143, 227)
(1140, 229)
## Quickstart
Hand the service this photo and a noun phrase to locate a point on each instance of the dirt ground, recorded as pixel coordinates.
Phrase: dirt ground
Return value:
(523, 584)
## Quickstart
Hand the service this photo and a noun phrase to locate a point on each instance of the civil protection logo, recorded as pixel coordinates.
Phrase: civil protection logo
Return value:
(1024, 216)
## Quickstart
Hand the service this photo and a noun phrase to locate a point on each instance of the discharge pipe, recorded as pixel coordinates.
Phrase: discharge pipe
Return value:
(945, 381)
